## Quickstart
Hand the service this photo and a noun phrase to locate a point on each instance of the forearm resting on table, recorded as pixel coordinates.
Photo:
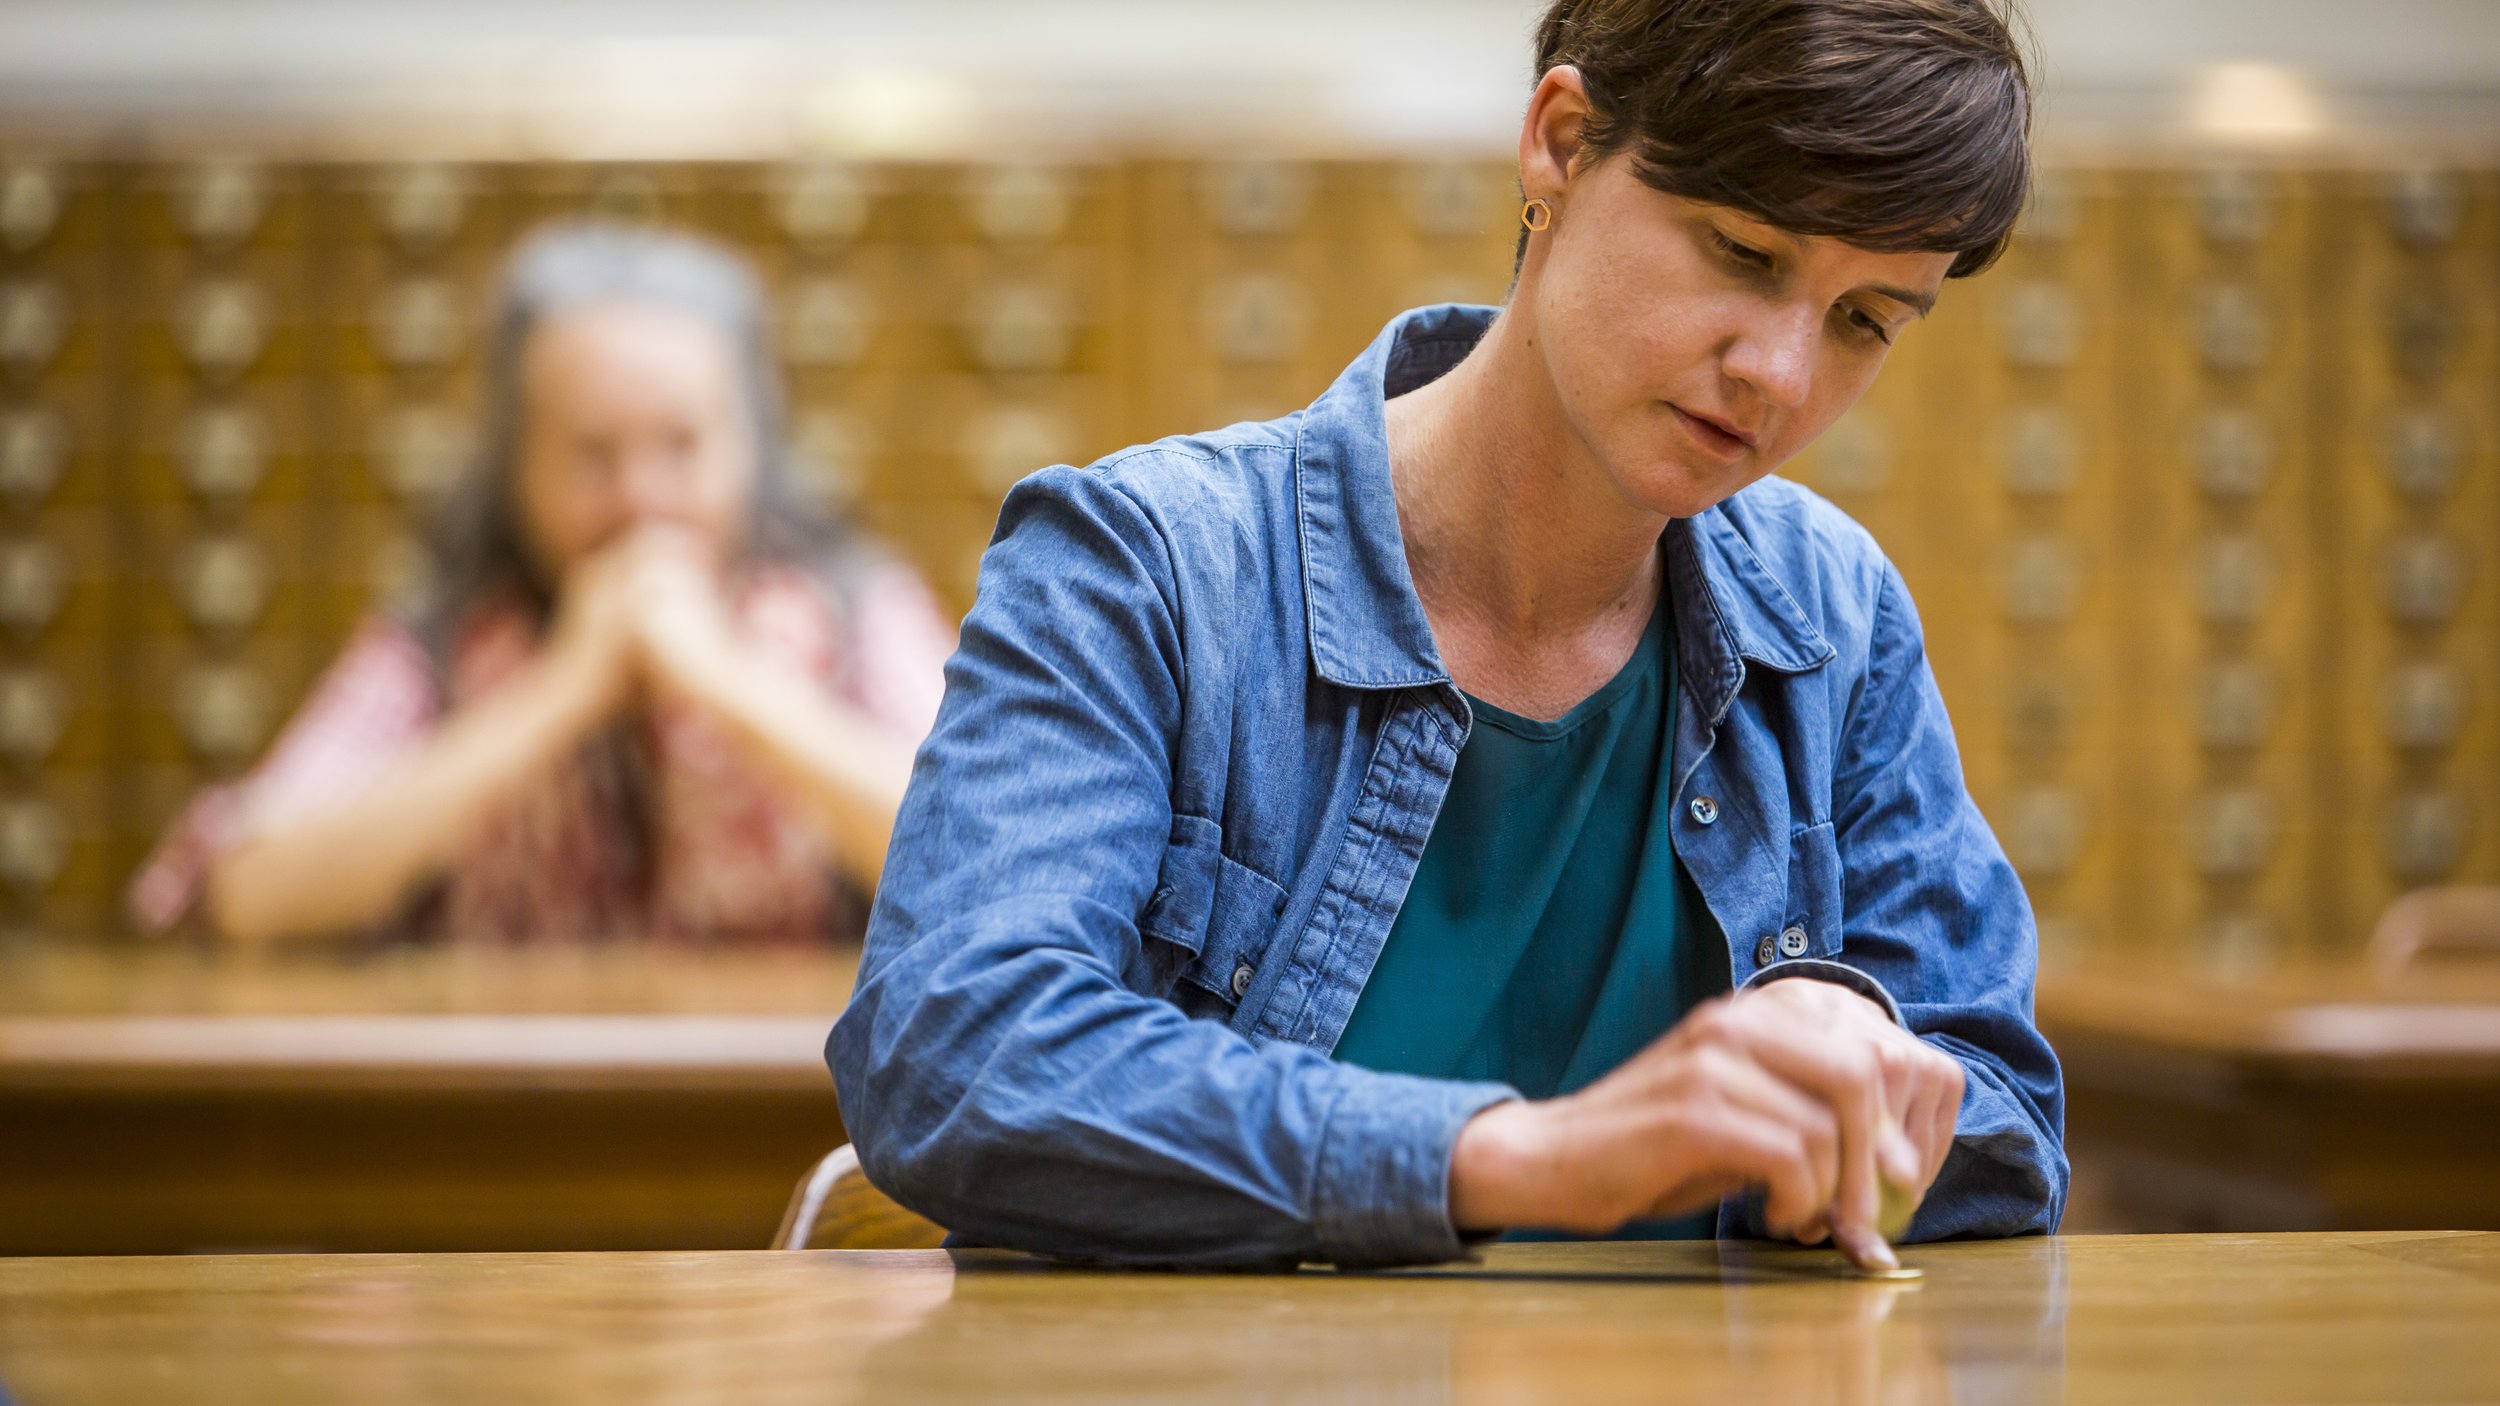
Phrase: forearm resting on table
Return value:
(846, 771)
(353, 865)
(1494, 1170)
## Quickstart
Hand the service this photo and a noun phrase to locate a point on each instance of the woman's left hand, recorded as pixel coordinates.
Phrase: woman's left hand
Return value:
(690, 653)
(1920, 1085)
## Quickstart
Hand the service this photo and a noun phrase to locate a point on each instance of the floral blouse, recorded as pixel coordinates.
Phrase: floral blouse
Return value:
(656, 827)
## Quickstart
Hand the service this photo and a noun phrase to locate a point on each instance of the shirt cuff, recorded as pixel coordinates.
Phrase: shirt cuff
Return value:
(1383, 1193)
(1837, 973)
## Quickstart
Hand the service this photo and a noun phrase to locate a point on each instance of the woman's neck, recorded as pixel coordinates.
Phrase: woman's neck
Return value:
(1533, 567)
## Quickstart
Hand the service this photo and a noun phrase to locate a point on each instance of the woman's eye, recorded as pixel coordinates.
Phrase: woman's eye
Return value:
(1869, 326)
(1742, 253)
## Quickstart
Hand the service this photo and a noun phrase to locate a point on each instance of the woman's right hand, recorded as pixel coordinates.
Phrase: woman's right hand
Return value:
(346, 866)
(592, 644)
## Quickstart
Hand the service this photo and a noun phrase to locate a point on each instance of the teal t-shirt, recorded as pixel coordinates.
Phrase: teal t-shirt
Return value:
(1548, 935)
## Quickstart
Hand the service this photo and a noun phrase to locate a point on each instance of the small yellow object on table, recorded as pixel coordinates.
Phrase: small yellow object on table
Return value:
(1894, 1207)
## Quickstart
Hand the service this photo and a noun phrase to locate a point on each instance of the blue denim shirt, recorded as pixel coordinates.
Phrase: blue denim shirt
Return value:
(1191, 748)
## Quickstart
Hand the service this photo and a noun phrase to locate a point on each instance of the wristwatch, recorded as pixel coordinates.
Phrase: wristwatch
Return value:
(1837, 973)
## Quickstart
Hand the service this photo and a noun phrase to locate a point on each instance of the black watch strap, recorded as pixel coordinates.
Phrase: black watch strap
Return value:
(1837, 973)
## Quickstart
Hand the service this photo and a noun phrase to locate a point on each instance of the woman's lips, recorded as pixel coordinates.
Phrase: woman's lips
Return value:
(1709, 436)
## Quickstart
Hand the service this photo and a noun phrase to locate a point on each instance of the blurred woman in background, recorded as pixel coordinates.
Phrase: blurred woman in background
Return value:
(648, 695)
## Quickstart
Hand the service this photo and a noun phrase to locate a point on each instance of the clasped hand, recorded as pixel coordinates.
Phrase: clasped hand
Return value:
(646, 611)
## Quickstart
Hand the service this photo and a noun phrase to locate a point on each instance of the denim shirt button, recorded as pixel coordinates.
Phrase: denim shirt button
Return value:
(1705, 810)
(1793, 942)
(1763, 952)
(1241, 980)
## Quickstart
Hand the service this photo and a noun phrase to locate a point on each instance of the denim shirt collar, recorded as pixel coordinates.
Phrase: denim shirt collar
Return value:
(1367, 624)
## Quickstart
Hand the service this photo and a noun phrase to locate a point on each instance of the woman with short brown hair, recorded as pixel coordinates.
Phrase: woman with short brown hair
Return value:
(1399, 823)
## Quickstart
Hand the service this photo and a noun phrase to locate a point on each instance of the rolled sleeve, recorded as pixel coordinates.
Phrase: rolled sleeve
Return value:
(1383, 1189)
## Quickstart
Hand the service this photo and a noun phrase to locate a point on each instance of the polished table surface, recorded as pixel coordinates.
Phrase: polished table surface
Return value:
(607, 1097)
(2318, 1096)
(2312, 1318)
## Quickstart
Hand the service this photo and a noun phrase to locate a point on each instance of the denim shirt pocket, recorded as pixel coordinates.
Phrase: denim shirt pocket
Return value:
(1210, 920)
(1814, 891)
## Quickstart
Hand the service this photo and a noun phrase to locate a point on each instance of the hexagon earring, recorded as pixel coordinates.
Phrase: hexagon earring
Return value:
(1536, 214)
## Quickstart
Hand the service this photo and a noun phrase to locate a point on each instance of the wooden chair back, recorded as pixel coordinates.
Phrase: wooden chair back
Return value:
(2454, 920)
(835, 1207)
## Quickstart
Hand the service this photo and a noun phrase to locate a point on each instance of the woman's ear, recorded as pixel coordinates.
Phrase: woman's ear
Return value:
(1549, 139)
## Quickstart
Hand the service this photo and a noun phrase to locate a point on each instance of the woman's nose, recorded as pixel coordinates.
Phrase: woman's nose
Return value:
(647, 485)
(1775, 355)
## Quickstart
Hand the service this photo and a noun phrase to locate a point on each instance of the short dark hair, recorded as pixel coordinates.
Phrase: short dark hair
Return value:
(1897, 125)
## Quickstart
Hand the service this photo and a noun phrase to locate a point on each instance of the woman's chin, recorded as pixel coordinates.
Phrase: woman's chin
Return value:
(1672, 488)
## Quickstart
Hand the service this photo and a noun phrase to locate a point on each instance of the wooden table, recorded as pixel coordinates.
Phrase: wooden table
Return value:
(429, 1100)
(2313, 1318)
(156, 1102)
(2321, 1097)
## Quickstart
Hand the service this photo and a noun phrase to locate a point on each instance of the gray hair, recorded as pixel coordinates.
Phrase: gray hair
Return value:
(477, 543)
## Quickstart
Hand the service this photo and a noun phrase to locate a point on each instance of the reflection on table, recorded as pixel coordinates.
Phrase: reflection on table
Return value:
(2334, 1096)
(2320, 1318)
(415, 1100)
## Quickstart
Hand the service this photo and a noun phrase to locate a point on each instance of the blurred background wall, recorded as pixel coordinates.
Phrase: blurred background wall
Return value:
(2199, 492)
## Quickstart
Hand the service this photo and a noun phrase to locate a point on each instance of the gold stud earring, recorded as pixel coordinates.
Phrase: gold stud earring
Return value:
(1536, 214)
